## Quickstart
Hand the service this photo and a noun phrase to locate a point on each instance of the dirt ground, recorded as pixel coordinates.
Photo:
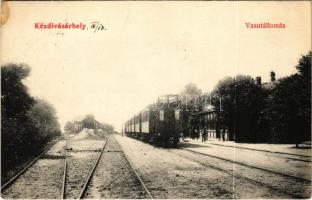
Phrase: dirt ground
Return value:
(287, 164)
(114, 177)
(83, 151)
(305, 149)
(167, 173)
(42, 180)
(267, 181)
(180, 174)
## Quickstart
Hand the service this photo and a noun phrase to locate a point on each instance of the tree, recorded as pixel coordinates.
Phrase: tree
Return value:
(304, 97)
(27, 124)
(106, 127)
(249, 103)
(224, 91)
(190, 102)
(15, 102)
(43, 117)
(69, 126)
(289, 106)
(89, 121)
(304, 67)
(241, 100)
(191, 89)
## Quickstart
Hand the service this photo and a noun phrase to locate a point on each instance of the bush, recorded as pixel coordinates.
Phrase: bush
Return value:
(27, 124)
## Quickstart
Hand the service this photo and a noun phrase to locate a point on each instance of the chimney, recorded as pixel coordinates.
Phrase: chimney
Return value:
(258, 80)
(273, 76)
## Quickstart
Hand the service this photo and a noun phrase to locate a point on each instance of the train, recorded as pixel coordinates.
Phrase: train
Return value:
(159, 123)
(165, 122)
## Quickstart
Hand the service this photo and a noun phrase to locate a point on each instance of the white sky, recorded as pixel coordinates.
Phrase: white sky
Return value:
(149, 49)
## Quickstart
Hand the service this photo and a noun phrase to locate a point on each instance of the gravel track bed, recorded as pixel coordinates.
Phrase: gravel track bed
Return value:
(113, 177)
(79, 164)
(42, 180)
(257, 158)
(284, 155)
(168, 175)
(292, 187)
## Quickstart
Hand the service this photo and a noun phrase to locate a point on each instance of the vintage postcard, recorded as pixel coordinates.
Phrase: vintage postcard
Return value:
(155, 99)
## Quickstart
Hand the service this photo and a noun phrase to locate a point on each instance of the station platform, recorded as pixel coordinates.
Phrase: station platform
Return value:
(304, 148)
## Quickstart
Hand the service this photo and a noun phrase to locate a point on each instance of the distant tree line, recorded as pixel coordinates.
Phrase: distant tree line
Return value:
(106, 127)
(27, 123)
(88, 121)
(251, 111)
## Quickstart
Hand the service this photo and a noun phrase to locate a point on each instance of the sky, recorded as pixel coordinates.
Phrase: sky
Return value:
(148, 49)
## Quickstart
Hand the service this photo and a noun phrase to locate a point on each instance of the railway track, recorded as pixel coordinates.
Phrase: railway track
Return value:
(303, 158)
(87, 181)
(251, 166)
(86, 184)
(31, 163)
(67, 184)
(294, 195)
(137, 176)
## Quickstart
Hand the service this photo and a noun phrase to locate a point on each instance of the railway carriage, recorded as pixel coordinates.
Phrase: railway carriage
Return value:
(159, 123)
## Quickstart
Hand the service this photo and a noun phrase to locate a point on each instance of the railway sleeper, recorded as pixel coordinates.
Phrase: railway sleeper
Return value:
(53, 157)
